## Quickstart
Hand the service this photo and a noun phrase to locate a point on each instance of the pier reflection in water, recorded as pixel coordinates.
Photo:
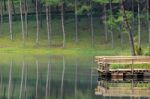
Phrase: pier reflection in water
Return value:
(129, 87)
(120, 76)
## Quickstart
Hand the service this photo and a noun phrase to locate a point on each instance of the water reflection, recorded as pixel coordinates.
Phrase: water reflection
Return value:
(129, 87)
(37, 78)
(48, 81)
(22, 77)
(62, 78)
(48, 77)
(58, 77)
(10, 80)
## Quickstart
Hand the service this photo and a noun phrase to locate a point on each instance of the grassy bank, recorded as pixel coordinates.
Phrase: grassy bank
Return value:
(62, 51)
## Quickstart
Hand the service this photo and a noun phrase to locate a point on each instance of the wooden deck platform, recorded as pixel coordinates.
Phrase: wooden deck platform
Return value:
(104, 63)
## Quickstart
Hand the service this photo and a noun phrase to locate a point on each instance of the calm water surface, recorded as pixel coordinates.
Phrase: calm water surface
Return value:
(52, 77)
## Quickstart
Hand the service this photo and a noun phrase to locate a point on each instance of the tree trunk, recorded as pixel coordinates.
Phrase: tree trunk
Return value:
(37, 24)
(148, 19)
(10, 20)
(133, 20)
(111, 29)
(5, 8)
(92, 29)
(112, 38)
(106, 27)
(121, 33)
(1, 19)
(132, 49)
(48, 19)
(50, 24)
(41, 19)
(62, 25)
(139, 25)
(13, 7)
(22, 23)
(26, 18)
(76, 22)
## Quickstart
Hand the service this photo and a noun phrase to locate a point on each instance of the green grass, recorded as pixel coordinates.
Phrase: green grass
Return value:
(84, 47)
(64, 51)
(117, 66)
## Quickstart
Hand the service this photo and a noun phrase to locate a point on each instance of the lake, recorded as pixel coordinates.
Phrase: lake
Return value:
(57, 77)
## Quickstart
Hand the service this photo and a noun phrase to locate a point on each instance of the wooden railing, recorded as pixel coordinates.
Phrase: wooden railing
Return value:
(123, 59)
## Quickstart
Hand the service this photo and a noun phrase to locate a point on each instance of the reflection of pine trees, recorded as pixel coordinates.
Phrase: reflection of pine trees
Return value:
(61, 79)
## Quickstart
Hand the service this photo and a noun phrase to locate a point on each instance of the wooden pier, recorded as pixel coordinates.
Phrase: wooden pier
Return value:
(104, 63)
(130, 76)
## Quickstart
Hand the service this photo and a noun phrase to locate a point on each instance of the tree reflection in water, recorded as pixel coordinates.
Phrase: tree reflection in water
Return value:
(55, 77)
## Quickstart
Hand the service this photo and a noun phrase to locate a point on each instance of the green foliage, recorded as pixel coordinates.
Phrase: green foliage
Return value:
(116, 20)
(106, 1)
(129, 15)
(115, 1)
(101, 1)
(52, 2)
(83, 9)
(147, 53)
(16, 3)
(143, 17)
(138, 49)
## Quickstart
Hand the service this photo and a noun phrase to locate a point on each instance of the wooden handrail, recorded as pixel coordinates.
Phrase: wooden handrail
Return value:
(123, 59)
